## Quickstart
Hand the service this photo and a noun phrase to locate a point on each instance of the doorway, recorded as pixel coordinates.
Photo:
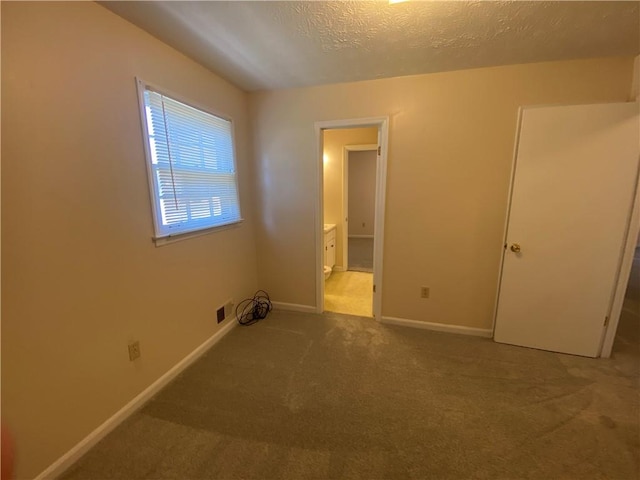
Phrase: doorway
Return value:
(359, 196)
(343, 287)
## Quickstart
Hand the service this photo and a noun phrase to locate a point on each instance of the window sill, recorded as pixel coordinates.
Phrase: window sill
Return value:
(160, 241)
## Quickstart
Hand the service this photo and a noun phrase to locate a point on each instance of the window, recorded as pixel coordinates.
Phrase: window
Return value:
(191, 165)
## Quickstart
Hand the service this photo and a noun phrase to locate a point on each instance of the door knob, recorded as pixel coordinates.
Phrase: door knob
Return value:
(515, 247)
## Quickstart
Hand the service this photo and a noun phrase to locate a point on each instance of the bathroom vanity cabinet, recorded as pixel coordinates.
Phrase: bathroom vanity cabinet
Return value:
(330, 245)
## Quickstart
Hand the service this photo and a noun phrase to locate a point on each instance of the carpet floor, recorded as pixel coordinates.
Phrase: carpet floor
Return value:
(350, 293)
(301, 396)
(632, 295)
(360, 254)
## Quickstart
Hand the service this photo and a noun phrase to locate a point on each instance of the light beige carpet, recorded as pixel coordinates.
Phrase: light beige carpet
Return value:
(302, 396)
(350, 293)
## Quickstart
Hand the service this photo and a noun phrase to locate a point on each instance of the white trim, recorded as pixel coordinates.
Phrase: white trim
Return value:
(58, 467)
(378, 232)
(345, 208)
(635, 81)
(339, 268)
(140, 89)
(319, 220)
(187, 101)
(361, 269)
(361, 148)
(293, 307)
(626, 263)
(360, 236)
(351, 123)
(162, 239)
(439, 327)
(381, 179)
(506, 218)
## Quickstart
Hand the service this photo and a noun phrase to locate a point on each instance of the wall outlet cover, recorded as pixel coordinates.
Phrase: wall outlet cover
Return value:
(134, 350)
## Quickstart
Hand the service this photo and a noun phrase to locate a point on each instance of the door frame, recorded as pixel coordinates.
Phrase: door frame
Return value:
(505, 228)
(626, 254)
(382, 123)
(345, 196)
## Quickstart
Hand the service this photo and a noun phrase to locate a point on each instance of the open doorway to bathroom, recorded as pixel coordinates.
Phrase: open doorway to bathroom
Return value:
(349, 189)
(351, 196)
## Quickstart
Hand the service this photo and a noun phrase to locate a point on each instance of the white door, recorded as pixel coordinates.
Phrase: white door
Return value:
(575, 175)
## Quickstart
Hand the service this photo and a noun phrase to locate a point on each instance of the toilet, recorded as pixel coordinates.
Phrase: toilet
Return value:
(327, 271)
(329, 248)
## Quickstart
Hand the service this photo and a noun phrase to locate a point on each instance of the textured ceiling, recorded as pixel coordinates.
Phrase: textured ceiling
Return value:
(270, 45)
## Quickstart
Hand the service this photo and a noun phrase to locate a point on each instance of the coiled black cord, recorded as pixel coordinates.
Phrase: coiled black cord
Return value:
(251, 310)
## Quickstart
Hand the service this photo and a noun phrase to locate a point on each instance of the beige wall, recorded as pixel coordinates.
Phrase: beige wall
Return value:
(362, 192)
(334, 142)
(450, 151)
(80, 274)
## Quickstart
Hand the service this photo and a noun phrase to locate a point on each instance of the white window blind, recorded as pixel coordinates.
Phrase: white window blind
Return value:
(191, 164)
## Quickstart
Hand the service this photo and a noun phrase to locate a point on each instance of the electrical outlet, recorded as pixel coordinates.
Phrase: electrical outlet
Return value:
(424, 292)
(225, 311)
(134, 350)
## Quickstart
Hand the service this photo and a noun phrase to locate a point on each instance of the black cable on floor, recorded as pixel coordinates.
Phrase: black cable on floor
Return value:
(251, 310)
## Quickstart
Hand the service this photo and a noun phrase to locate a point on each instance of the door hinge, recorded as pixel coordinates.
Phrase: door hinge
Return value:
(374, 289)
(378, 150)
(606, 321)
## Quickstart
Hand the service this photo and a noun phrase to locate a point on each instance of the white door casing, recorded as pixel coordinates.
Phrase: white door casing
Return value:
(574, 180)
(378, 235)
(382, 123)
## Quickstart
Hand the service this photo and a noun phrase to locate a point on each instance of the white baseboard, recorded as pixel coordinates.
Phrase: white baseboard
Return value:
(360, 236)
(293, 307)
(361, 269)
(438, 327)
(338, 268)
(58, 467)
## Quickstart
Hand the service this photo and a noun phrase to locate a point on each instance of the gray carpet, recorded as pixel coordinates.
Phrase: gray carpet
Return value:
(327, 396)
(360, 254)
